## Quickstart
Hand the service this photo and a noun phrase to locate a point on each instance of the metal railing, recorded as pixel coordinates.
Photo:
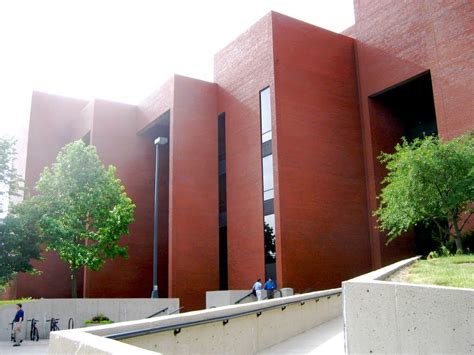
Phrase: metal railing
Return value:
(160, 311)
(241, 299)
(273, 293)
(224, 319)
(176, 310)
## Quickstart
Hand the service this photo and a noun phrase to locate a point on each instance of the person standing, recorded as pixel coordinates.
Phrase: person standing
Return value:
(257, 287)
(270, 286)
(17, 323)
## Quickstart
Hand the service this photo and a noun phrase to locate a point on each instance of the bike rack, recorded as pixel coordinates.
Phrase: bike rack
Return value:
(33, 334)
(70, 323)
(54, 323)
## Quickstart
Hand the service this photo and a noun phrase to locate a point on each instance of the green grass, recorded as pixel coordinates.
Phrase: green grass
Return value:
(7, 302)
(454, 271)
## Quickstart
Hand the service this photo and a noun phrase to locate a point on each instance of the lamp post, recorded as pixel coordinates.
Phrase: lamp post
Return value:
(158, 141)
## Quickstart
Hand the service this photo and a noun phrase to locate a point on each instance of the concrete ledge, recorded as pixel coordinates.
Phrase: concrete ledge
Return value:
(383, 273)
(264, 324)
(77, 342)
(117, 309)
(402, 318)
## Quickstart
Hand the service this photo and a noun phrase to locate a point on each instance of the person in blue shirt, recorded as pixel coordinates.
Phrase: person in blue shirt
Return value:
(270, 286)
(17, 323)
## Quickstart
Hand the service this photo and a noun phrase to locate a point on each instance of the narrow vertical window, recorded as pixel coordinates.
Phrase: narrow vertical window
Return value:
(223, 278)
(269, 228)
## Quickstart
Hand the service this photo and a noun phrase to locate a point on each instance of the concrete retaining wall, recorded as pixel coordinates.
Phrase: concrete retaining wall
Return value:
(399, 318)
(262, 327)
(117, 309)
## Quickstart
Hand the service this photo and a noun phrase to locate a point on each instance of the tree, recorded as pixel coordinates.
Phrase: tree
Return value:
(269, 243)
(84, 210)
(9, 179)
(428, 181)
(19, 243)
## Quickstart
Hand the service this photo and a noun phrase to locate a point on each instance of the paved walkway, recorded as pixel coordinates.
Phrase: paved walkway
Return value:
(327, 338)
(27, 348)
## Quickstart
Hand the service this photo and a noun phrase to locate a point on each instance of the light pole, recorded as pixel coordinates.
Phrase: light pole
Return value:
(158, 141)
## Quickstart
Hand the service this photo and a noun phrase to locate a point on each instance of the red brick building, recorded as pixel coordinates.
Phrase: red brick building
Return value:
(288, 134)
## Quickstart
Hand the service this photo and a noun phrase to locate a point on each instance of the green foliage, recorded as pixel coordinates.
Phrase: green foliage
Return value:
(467, 243)
(84, 209)
(21, 300)
(269, 243)
(428, 181)
(9, 179)
(99, 319)
(19, 242)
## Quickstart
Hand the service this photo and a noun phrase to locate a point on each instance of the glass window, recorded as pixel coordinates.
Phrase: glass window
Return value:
(265, 110)
(269, 240)
(269, 194)
(266, 148)
(268, 207)
(221, 135)
(267, 163)
(266, 136)
(270, 220)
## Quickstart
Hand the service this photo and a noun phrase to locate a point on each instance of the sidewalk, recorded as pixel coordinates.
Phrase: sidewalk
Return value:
(327, 338)
(27, 347)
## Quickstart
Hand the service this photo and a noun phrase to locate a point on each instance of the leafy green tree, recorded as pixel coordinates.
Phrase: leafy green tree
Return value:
(19, 243)
(84, 209)
(9, 179)
(428, 181)
(269, 243)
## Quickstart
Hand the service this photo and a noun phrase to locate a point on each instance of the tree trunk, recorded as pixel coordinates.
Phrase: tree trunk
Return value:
(457, 236)
(73, 283)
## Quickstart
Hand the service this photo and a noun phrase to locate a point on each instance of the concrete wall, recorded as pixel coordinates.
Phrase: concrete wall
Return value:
(245, 334)
(228, 298)
(77, 342)
(398, 318)
(80, 310)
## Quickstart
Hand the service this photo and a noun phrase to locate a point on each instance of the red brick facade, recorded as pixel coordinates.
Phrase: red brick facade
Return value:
(328, 128)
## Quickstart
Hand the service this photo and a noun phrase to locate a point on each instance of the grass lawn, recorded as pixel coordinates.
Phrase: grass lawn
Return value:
(24, 300)
(454, 271)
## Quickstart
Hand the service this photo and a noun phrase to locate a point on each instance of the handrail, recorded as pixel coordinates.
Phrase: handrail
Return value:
(237, 302)
(161, 311)
(275, 290)
(176, 310)
(177, 327)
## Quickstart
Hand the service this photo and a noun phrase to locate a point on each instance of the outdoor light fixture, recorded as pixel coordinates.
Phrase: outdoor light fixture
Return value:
(158, 141)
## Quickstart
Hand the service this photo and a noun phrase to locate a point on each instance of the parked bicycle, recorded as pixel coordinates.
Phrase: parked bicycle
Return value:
(34, 333)
(12, 337)
(54, 326)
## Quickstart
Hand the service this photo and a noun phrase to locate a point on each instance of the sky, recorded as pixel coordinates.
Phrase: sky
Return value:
(122, 50)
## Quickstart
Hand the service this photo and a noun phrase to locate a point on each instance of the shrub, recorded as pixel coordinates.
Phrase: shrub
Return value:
(99, 319)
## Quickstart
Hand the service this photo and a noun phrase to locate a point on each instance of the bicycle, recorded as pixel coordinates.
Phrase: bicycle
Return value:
(12, 336)
(54, 324)
(34, 333)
